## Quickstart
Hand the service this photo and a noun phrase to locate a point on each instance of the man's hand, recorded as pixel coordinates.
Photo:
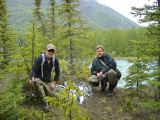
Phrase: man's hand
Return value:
(31, 82)
(52, 86)
(100, 75)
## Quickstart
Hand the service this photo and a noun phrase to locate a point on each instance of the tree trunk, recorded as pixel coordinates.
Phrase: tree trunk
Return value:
(159, 48)
(69, 32)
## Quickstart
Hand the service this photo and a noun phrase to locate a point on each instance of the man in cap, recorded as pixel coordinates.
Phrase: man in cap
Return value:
(103, 70)
(41, 75)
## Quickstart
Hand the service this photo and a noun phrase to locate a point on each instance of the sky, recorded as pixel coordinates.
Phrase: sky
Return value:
(124, 7)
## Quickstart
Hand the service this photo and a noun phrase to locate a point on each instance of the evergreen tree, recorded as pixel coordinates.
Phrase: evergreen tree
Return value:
(6, 36)
(40, 17)
(65, 107)
(71, 30)
(51, 16)
(139, 71)
(11, 94)
(34, 46)
(151, 13)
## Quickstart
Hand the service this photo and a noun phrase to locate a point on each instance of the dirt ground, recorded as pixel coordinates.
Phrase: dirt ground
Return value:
(101, 107)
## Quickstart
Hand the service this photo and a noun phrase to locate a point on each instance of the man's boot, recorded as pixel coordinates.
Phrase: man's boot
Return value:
(110, 91)
(103, 84)
(45, 107)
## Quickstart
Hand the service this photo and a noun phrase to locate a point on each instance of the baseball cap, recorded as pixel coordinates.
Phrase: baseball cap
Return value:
(50, 46)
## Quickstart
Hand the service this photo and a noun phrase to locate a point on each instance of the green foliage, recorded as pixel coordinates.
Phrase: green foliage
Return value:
(40, 17)
(135, 107)
(30, 114)
(6, 36)
(73, 42)
(20, 66)
(66, 106)
(82, 70)
(151, 13)
(52, 17)
(64, 70)
(137, 73)
(11, 95)
(64, 67)
(129, 105)
(71, 32)
(10, 98)
(115, 41)
(151, 105)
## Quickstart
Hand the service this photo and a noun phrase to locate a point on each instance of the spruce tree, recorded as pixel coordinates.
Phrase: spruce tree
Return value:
(151, 13)
(52, 16)
(39, 16)
(66, 106)
(11, 94)
(71, 30)
(6, 36)
(138, 71)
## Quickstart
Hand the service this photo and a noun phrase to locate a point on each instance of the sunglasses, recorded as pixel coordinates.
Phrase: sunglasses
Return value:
(51, 50)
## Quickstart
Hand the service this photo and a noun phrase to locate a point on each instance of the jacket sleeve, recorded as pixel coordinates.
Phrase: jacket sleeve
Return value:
(93, 69)
(36, 66)
(57, 70)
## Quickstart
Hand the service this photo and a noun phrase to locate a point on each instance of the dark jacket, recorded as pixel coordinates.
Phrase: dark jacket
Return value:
(47, 69)
(97, 66)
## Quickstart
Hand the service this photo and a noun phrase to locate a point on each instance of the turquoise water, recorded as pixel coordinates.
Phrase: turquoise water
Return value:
(122, 65)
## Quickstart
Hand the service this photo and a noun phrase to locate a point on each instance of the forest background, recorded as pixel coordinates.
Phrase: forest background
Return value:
(75, 43)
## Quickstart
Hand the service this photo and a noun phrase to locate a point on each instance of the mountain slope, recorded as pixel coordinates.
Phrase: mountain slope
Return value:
(101, 16)
(97, 15)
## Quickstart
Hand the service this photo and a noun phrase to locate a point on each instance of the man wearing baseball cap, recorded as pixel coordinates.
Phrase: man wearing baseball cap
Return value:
(41, 75)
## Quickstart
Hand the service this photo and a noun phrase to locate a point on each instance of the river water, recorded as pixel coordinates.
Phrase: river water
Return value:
(122, 65)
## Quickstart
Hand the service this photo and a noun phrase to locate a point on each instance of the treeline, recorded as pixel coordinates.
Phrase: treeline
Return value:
(116, 42)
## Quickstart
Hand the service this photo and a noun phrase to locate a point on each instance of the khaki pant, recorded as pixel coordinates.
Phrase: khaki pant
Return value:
(43, 90)
(111, 77)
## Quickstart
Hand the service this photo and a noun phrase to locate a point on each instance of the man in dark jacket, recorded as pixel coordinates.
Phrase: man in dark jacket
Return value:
(103, 70)
(41, 75)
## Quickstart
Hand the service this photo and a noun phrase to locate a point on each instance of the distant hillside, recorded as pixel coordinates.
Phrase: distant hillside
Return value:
(101, 16)
(97, 15)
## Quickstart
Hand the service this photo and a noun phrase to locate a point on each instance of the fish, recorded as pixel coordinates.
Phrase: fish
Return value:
(85, 90)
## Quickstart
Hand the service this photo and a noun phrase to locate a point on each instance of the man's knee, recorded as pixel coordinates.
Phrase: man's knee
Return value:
(94, 80)
(37, 81)
(112, 77)
(111, 72)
